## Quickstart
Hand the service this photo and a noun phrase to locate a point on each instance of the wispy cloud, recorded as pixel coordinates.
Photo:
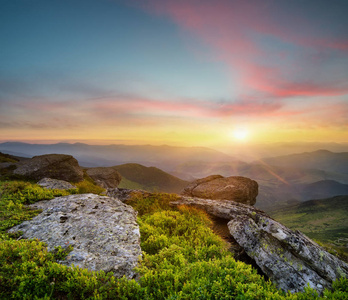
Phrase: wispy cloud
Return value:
(268, 46)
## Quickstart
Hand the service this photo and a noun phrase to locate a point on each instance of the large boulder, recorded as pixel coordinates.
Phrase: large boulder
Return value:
(288, 258)
(106, 177)
(56, 166)
(216, 187)
(49, 183)
(103, 232)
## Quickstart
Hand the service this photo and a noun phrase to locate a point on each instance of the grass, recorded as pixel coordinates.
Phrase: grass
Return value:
(128, 184)
(182, 259)
(324, 220)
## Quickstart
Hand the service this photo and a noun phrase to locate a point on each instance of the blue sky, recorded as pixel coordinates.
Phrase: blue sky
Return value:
(177, 72)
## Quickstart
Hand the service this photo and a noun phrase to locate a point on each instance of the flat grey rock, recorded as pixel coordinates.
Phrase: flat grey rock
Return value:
(102, 230)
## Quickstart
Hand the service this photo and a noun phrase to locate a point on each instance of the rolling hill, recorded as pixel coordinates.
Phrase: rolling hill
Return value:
(323, 189)
(152, 179)
(324, 220)
(281, 179)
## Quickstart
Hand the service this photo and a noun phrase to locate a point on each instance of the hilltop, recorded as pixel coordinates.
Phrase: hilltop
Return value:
(136, 176)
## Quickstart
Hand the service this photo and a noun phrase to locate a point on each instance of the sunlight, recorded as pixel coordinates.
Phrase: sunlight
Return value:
(240, 134)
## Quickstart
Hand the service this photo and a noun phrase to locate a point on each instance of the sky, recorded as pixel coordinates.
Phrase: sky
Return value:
(177, 72)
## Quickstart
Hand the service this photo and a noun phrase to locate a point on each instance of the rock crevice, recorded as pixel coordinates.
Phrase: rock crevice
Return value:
(288, 258)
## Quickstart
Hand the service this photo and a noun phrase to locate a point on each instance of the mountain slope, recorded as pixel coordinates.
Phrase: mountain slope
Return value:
(323, 189)
(321, 159)
(325, 220)
(149, 178)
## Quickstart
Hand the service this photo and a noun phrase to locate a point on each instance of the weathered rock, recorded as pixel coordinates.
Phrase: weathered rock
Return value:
(217, 187)
(288, 258)
(125, 194)
(56, 166)
(102, 230)
(106, 177)
(49, 183)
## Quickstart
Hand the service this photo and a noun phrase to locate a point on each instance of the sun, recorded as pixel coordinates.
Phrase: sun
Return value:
(240, 134)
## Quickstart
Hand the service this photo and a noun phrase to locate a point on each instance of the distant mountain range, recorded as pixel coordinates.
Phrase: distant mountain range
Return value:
(164, 157)
(250, 153)
(282, 179)
(321, 159)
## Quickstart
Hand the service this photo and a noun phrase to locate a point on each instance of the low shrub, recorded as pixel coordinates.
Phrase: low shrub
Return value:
(149, 203)
(88, 185)
(182, 259)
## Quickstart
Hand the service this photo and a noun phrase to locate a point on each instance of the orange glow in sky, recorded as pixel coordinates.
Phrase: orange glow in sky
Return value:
(191, 73)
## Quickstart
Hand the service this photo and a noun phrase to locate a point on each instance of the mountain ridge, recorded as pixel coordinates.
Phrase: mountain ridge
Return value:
(164, 157)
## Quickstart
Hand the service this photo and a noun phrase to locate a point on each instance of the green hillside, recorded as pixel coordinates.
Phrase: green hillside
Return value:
(136, 176)
(7, 158)
(182, 259)
(324, 220)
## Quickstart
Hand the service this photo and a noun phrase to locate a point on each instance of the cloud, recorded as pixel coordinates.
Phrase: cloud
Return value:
(272, 47)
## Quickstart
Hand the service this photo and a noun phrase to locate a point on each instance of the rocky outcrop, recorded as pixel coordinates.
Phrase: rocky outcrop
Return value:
(56, 166)
(288, 258)
(103, 232)
(217, 187)
(106, 177)
(125, 194)
(49, 183)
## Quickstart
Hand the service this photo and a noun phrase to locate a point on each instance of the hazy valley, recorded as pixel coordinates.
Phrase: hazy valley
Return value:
(282, 180)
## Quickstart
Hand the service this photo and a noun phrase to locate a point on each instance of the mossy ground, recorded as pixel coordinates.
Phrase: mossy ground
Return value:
(182, 259)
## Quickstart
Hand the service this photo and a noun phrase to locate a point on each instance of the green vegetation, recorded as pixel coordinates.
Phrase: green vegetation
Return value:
(88, 185)
(15, 194)
(128, 184)
(7, 158)
(324, 220)
(182, 259)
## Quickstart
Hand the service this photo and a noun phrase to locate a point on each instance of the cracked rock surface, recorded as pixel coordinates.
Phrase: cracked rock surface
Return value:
(289, 258)
(102, 230)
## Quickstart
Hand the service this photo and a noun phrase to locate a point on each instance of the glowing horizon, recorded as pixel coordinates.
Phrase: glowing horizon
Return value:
(174, 72)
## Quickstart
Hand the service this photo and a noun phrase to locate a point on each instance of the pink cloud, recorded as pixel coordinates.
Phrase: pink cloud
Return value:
(235, 30)
(184, 107)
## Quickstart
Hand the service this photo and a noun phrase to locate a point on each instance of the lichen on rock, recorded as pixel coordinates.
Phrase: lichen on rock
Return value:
(289, 258)
(103, 232)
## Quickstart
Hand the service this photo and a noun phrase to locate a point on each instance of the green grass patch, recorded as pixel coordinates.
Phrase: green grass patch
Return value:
(88, 185)
(128, 184)
(182, 259)
(324, 220)
(13, 197)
